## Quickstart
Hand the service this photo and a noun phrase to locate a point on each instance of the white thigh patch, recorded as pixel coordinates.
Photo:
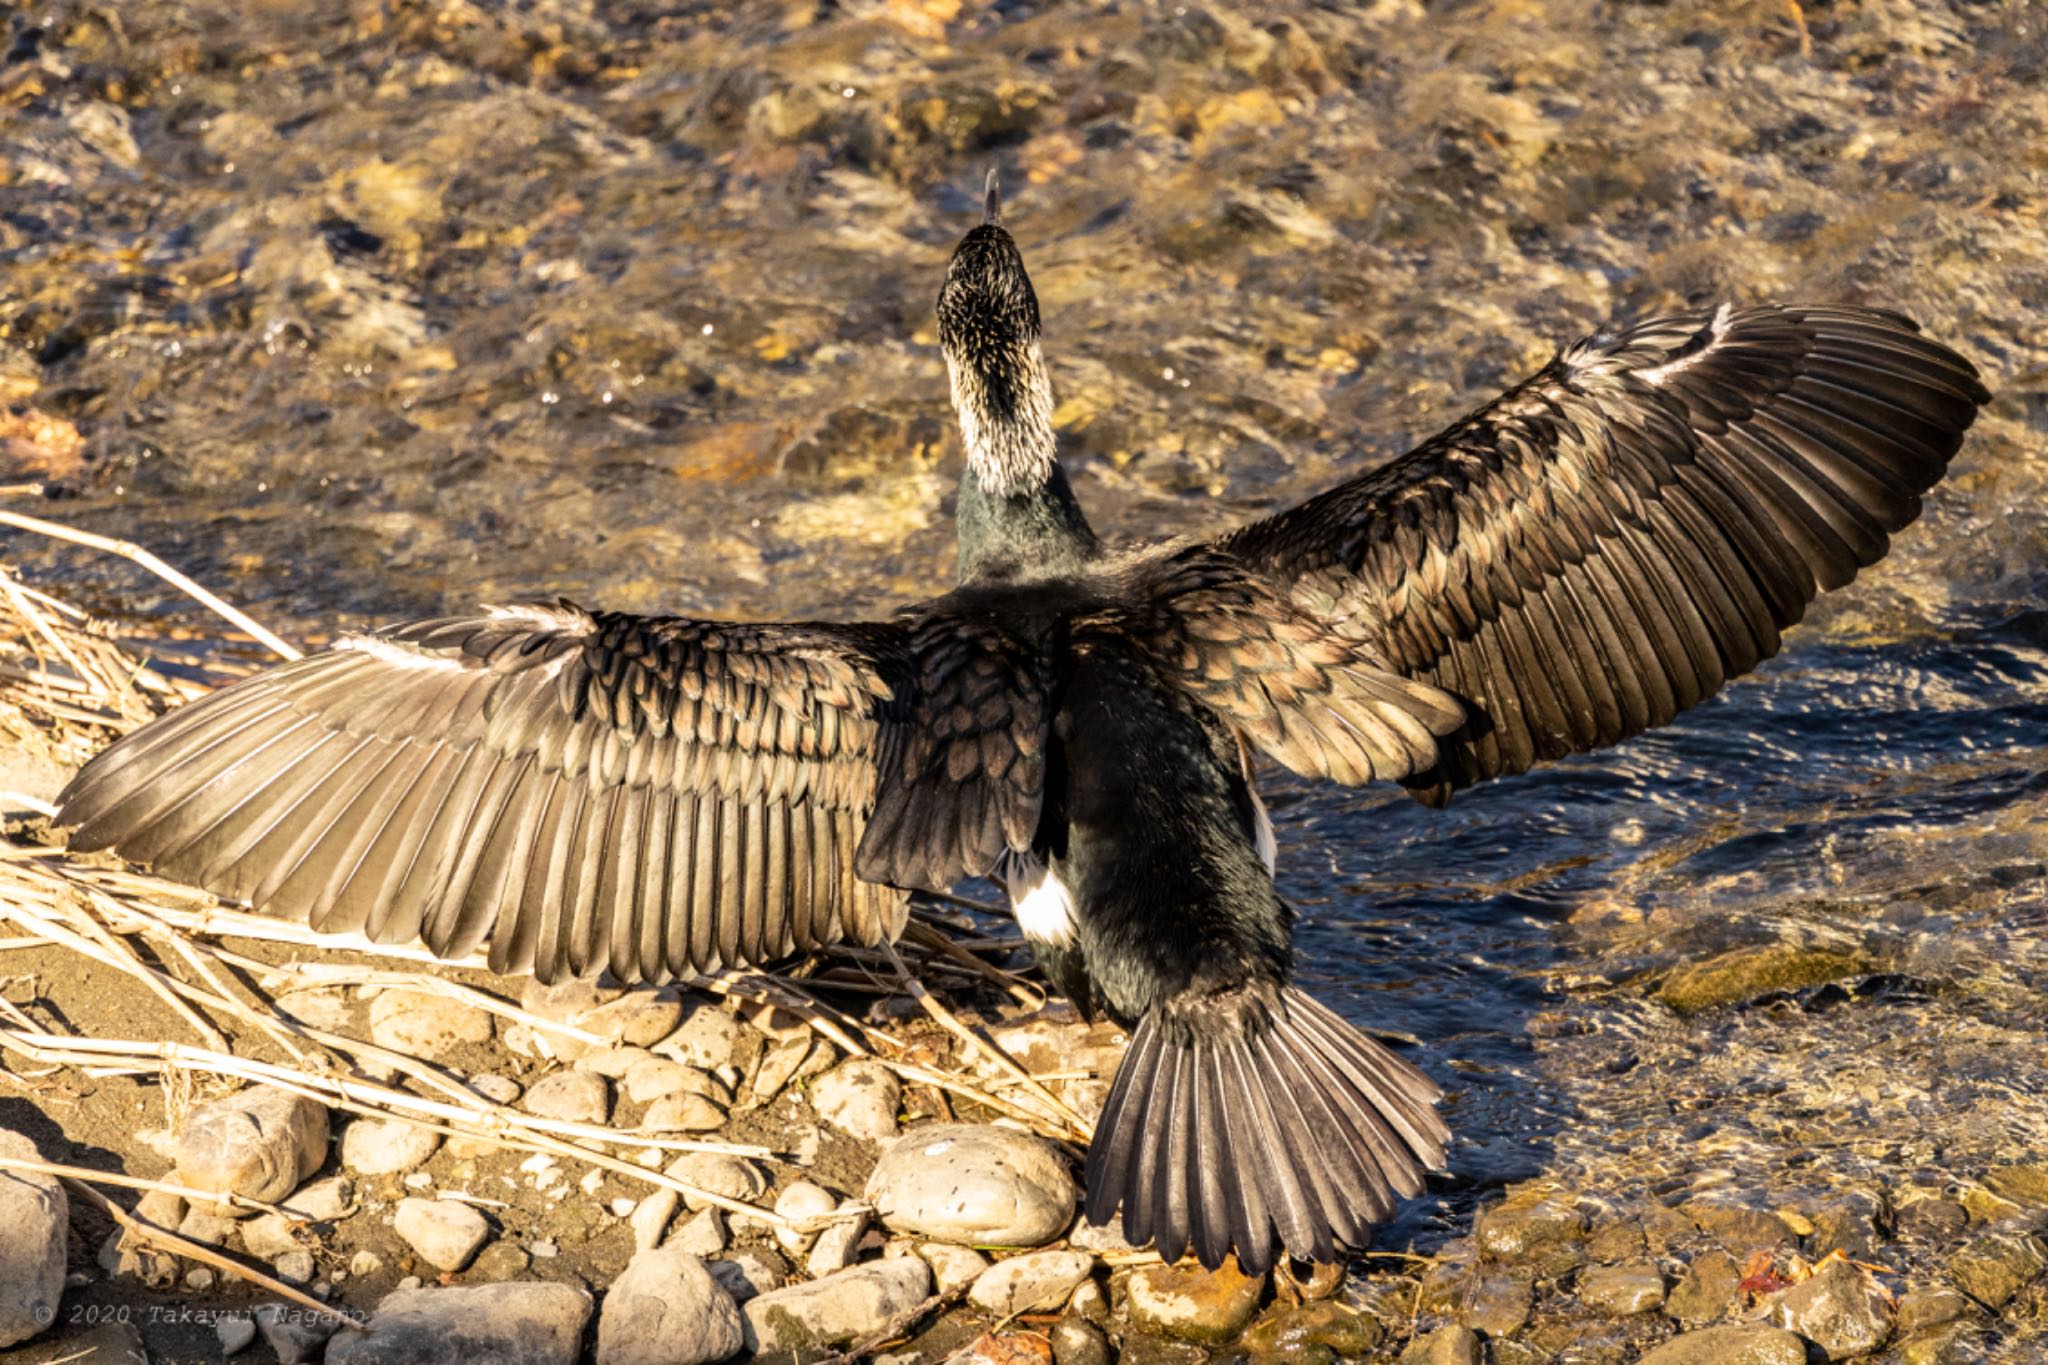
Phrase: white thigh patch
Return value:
(1043, 905)
(1262, 831)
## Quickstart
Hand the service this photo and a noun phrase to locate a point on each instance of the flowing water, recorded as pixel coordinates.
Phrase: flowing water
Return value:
(359, 311)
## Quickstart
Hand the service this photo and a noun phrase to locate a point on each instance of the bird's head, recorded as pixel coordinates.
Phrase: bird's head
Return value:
(988, 328)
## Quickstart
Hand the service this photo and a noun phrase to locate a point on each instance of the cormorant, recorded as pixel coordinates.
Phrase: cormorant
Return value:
(1581, 559)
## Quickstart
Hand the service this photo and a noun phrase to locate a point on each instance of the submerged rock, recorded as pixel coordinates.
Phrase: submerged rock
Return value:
(1707, 1289)
(1445, 1346)
(503, 1324)
(838, 1309)
(1746, 973)
(975, 1184)
(1619, 1291)
(1993, 1268)
(35, 1227)
(1730, 1346)
(667, 1309)
(1334, 1326)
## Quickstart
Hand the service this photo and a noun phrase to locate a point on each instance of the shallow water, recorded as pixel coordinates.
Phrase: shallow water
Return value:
(365, 311)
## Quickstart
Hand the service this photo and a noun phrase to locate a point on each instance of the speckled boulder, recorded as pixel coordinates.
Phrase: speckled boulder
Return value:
(973, 1184)
(258, 1142)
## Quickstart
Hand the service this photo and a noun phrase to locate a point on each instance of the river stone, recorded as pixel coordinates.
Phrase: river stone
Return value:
(837, 1246)
(1935, 1220)
(1335, 1327)
(423, 1024)
(781, 1062)
(1839, 1308)
(952, 1266)
(859, 1098)
(293, 1334)
(444, 1232)
(708, 1038)
(235, 1332)
(321, 1201)
(1077, 1341)
(1740, 1229)
(651, 1217)
(1846, 1223)
(729, 1177)
(682, 1113)
(1746, 973)
(1993, 1268)
(568, 1096)
(1193, 1304)
(527, 1323)
(1620, 1291)
(838, 1309)
(747, 1274)
(801, 1202)
(1920, 1309)
(268, 1236)
(294, 1267)
(1036, 1282)
(1531, 1228)
(500, 1261)
(973, 1184)
(386, 1146)
(260, 1142)
(1730, 1346)
(1445, 1346)
(1499, 1301)
(703, 1234)
(666, 1309)
(1707, 1289)
(35, 1228)
(652, 1078)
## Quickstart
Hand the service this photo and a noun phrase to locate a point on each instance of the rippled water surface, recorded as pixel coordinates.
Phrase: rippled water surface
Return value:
(365, 310)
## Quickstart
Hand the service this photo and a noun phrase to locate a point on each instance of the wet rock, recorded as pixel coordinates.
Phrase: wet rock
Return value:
(1622, 1240)
(1707, 1289)
(747, 1274)
(666, 1309)
(836, 1246)
(952, 1266)
(1920, 1309)
(422, 1024)
(838, 1309)
(1730, 1346)
(1193, 1304)
(35, 1226)
(1620, 1291)
(1839, 1308)
(859, 1098)
(569, 1096)
(1139, 1350)
(1740, 1229)
(1746, 973)
(1498, 1301)
(1541, 1230)
(235, 1332)
(1847, 1223)
(1993, 1268)
(682, 1113)
(1445, 1346)
(708, 1038)
(729, 1177)
(498, 1262)
(704, 1235)
(1076, 1341)
(386, 1146)
(1954, 1344)
(973, 1184)
(651, 1217)
(1934, 1220)
(294, 1334)
(529, 1323)
(2023, 1184)
(801, 1202)
(1337, 1327)
(1036, 1282)
(445, 1233)
(257, 1142)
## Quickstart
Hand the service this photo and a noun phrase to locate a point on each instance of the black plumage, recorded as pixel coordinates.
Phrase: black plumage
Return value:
(1602, 547)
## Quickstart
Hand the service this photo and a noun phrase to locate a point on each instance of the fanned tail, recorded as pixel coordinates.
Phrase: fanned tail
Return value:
(1239, 1126)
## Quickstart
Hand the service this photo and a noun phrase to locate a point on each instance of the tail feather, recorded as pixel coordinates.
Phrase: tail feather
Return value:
(1281, 1127)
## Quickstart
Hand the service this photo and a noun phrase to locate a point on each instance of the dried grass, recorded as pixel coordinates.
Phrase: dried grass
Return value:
(68, 687)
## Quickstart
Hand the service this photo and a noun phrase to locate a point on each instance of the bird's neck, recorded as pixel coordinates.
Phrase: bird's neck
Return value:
(1029, 532)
